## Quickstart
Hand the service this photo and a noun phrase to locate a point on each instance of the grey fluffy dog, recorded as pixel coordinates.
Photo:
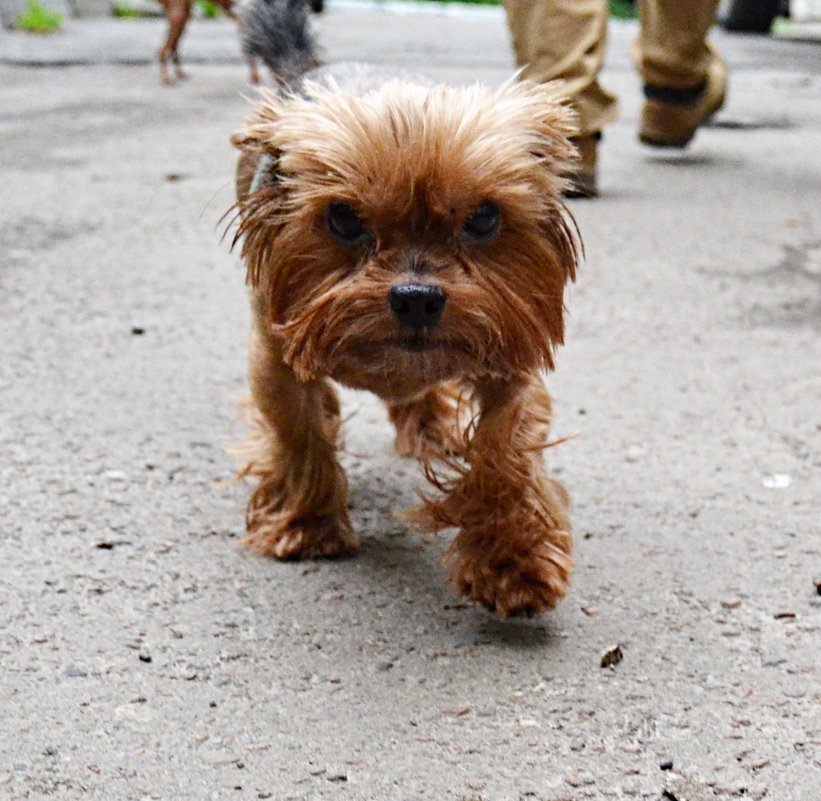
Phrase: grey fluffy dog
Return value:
(277, 32)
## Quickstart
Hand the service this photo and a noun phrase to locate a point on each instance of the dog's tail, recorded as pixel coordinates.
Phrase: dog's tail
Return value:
(277, 32)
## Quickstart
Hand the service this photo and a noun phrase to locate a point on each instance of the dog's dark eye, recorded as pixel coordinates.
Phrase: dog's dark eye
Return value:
(344, 223)
(484, 222)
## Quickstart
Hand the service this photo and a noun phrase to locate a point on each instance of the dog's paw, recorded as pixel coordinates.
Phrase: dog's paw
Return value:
(281, 537)
(515, 584)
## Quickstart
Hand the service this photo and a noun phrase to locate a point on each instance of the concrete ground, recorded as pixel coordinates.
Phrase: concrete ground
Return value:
(144, 656)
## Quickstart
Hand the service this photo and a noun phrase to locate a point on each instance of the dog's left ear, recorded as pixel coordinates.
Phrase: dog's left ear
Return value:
(554, 124)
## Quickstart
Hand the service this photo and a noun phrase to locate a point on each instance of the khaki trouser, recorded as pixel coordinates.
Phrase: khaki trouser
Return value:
(565, 40)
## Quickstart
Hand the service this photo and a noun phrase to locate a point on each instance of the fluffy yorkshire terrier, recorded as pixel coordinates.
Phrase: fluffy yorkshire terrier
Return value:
(410, 239)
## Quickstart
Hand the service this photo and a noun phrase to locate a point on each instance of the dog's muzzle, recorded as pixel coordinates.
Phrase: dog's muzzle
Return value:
(417, 306)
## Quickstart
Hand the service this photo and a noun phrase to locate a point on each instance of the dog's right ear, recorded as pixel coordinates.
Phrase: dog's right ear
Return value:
(258, 159)
(257, 166)
(258, 187)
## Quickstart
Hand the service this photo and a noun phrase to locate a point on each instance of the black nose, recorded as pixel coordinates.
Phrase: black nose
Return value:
(417, 306)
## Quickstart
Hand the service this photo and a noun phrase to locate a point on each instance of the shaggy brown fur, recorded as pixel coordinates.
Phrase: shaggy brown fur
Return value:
(413, 163)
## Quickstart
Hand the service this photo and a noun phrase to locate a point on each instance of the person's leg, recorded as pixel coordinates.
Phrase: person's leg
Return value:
(684, 77)
(673, 42)
(565, 40)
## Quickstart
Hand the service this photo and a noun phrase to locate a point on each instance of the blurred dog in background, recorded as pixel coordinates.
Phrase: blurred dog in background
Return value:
(268, 29)
(277, 33)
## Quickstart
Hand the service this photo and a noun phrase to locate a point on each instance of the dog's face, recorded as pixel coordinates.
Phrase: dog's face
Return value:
(411, 234)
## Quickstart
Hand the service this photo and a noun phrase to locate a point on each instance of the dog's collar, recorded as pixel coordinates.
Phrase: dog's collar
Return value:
(265, 172)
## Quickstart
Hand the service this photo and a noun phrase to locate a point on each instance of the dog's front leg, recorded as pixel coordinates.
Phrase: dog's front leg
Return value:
(512, 549)
(298, 509)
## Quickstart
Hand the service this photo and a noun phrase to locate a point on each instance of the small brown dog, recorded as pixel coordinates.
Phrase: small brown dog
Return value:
(177, 12)
(410, 240)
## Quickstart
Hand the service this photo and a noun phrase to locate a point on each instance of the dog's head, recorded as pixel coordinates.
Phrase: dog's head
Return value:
(410, 234)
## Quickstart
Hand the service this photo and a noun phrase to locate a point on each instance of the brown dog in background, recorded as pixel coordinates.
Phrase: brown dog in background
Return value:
(177, 13)
(410, 240)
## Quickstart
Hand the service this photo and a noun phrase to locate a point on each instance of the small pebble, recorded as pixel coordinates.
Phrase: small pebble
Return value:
(777, 481)
(115, 475)
(634, 453)
(612, 656)
(75, 673)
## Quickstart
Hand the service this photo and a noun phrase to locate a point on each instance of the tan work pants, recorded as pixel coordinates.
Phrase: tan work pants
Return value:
(565, 40)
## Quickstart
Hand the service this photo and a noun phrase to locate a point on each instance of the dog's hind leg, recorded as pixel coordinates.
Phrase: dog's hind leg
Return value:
(178, 70)
(253, 70)
(177, 13)
(428, 427)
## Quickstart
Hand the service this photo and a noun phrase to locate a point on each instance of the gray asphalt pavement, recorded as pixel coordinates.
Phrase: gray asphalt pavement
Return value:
(144, 656)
